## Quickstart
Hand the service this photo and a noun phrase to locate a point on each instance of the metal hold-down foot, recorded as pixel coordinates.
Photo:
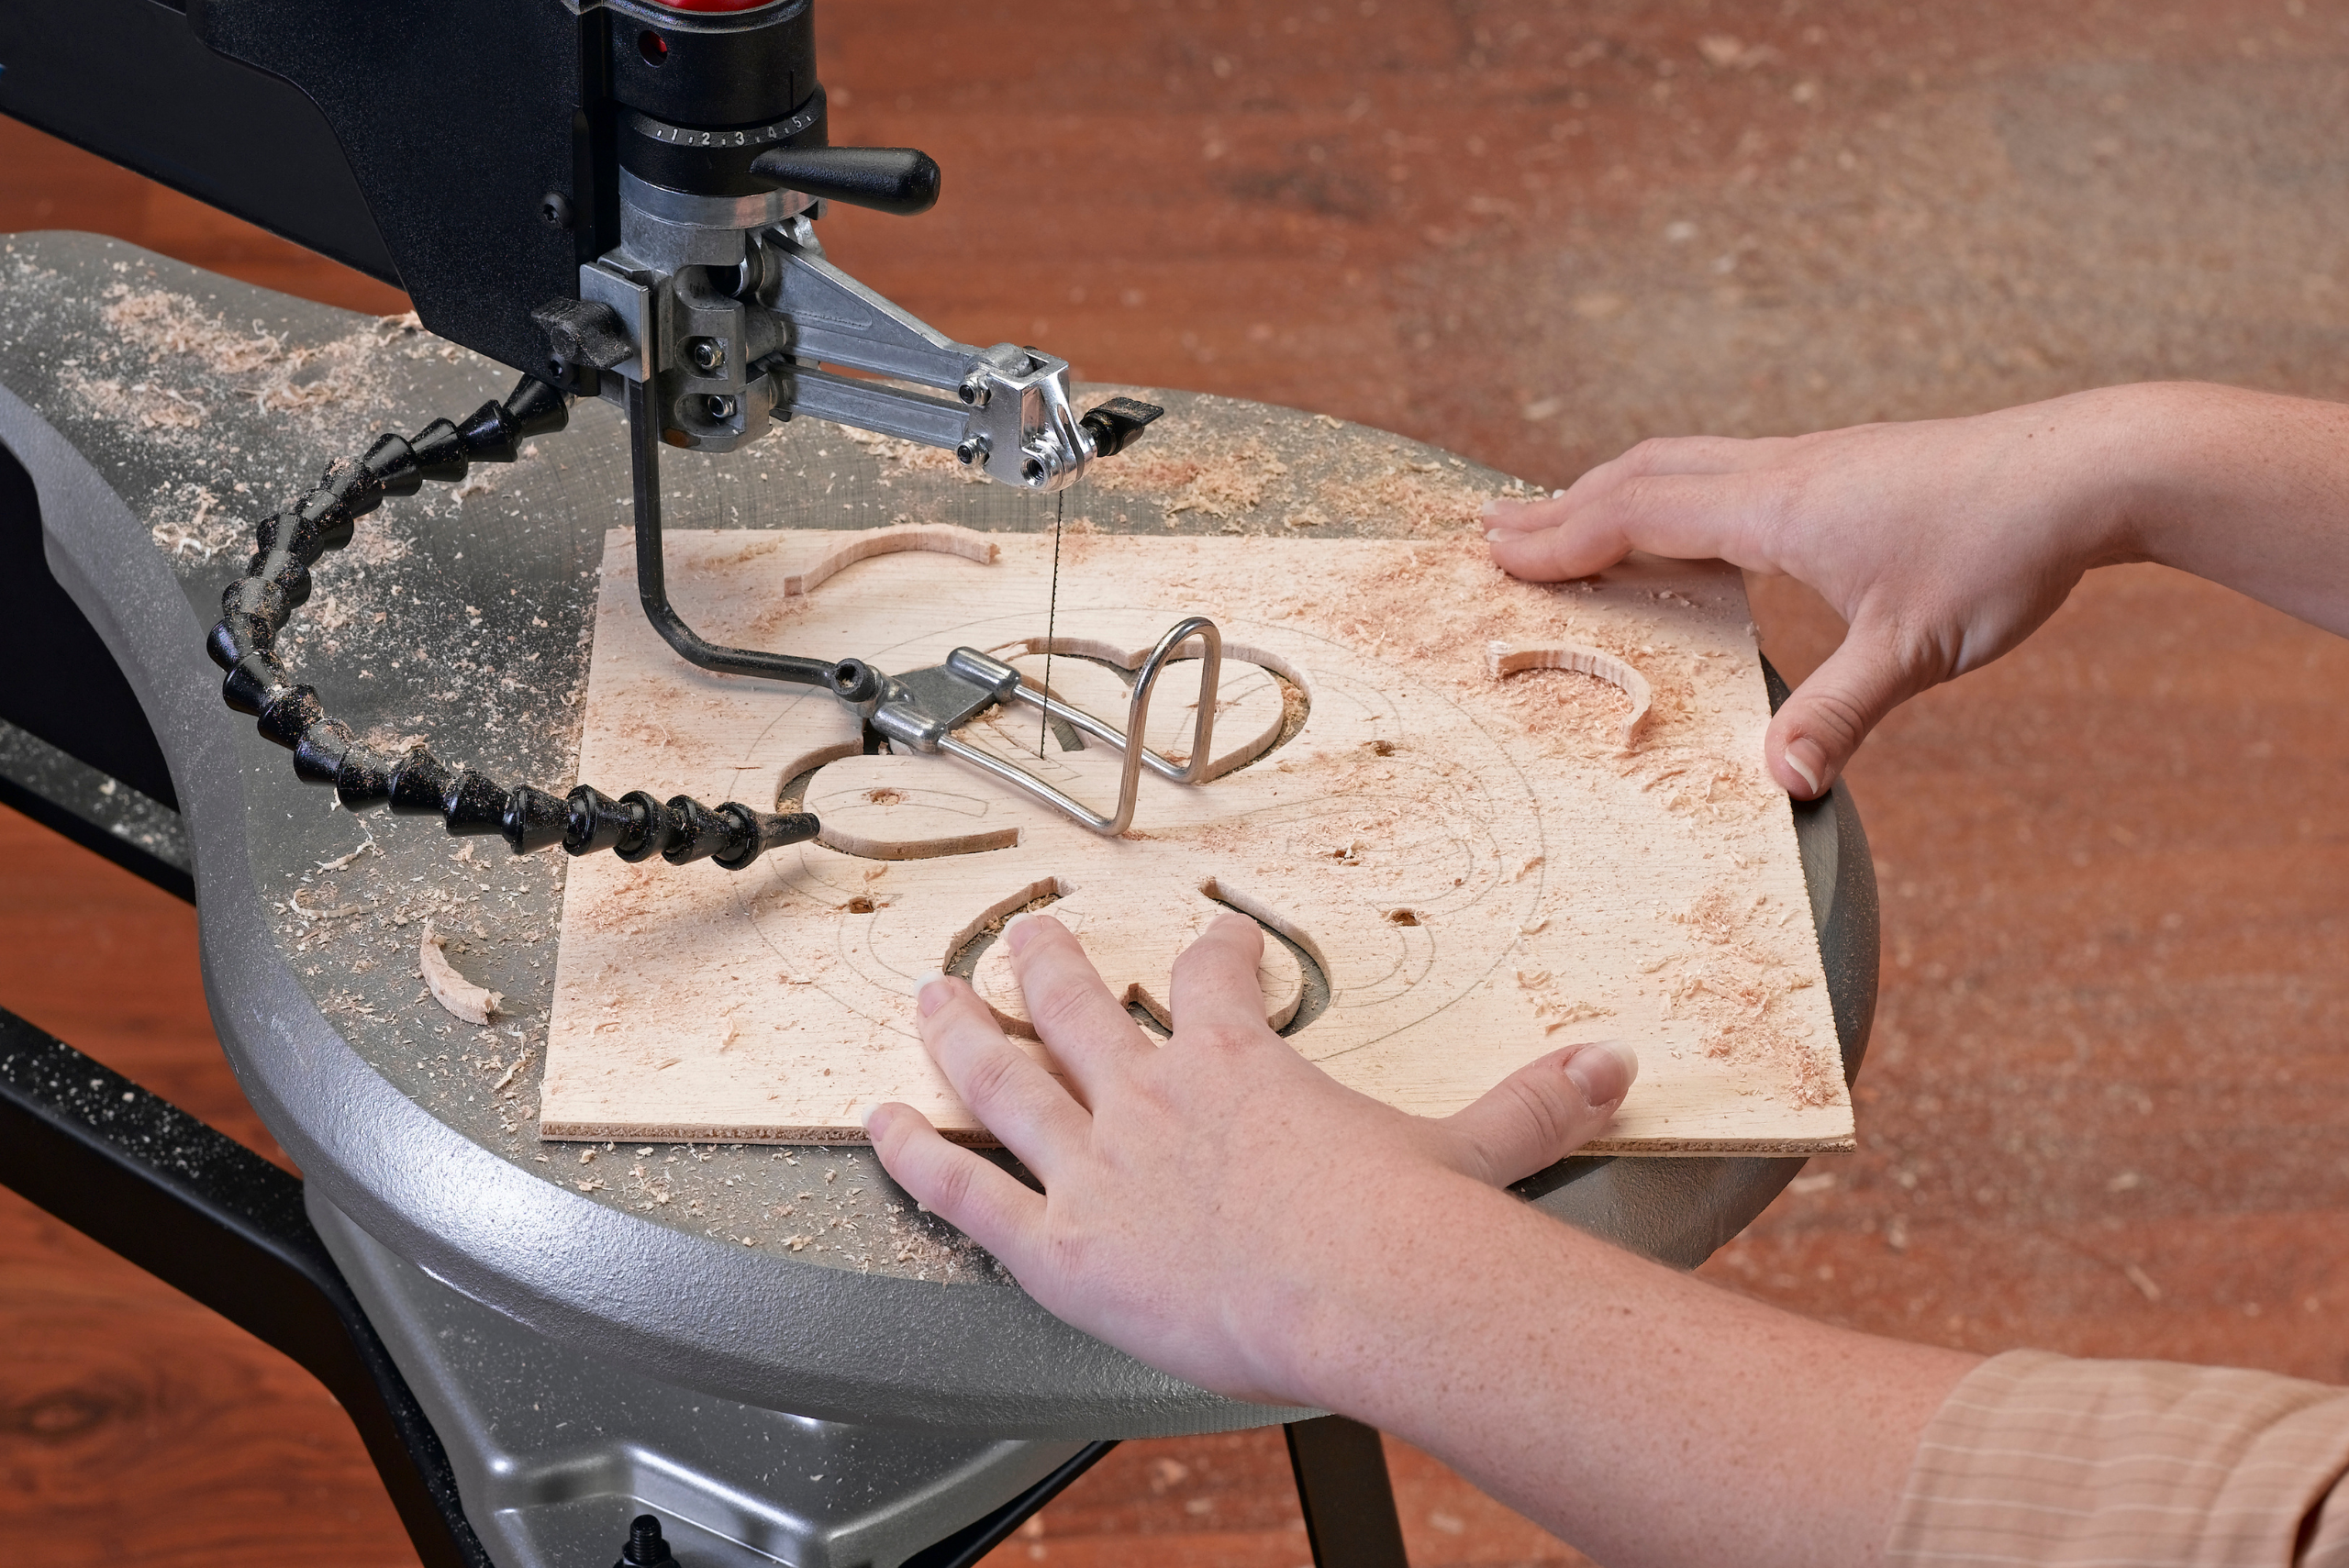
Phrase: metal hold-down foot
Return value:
(923, 709)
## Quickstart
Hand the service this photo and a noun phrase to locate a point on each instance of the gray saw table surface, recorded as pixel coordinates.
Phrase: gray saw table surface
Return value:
(162, 410)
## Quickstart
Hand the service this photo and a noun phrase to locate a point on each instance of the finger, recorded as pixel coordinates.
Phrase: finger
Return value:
(1012, 1096)
(1087, 1029)
(1543, 1112)
(1659, 455)
(1685, 517)
(1216, 988)
(1820, 726)
(983, 1201)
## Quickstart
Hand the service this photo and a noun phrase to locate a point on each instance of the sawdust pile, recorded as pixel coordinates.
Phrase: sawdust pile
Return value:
(1222, 483)
(200, 527)
(1732, 988)
(1425, 497)
(190, 361)
(149, 405)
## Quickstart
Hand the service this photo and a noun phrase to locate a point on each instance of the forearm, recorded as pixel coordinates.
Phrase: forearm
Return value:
(1647, 1417)
(2249, 489)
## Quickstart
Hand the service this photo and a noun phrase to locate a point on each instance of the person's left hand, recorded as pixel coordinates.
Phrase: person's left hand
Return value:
(1213, 1205)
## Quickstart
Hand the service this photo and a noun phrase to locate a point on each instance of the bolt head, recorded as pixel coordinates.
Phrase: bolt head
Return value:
(969, 450)
(707, 353)
(555, 210)
(720, 407)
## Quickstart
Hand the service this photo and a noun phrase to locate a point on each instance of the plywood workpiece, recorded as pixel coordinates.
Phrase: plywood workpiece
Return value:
(1432, 780)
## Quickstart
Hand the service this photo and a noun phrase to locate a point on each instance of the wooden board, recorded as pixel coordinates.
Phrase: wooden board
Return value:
(1474, 866)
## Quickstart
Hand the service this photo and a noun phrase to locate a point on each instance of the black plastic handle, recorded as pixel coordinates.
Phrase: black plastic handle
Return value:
(887, 178)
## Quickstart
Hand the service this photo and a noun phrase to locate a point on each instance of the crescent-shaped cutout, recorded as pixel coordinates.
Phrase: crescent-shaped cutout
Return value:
(1504, 659)
(939, 537)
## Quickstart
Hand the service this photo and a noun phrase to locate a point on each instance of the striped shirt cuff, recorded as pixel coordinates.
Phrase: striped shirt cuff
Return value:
(2039, 1459)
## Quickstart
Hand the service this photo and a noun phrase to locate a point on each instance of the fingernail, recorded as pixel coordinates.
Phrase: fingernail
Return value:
(1805, 757)
(1604, 1071)
(1014, 936)
(870, 1113)
(929, 992)
(1492, 534)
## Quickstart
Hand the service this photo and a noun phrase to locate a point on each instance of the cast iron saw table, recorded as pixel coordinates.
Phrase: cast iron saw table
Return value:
(535, 1355)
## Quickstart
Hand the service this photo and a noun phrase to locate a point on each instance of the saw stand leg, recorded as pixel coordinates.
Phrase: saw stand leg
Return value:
(1343, 1491)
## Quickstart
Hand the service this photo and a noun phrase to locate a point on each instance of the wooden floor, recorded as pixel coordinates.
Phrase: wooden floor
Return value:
(2102, 1111)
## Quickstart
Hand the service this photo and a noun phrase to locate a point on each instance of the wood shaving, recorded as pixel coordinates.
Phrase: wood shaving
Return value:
(461, 996)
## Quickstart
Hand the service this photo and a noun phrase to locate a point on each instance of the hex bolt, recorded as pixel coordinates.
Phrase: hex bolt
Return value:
(972, 450)
(708, 354)
(555, 210)
(720, 407)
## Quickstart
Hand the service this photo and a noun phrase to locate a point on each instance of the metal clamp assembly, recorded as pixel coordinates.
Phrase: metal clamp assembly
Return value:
(715, 313)
(922, 710)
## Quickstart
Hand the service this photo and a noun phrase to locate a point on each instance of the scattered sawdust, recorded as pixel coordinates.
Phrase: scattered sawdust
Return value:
(1565, 711)
(944, 1257)
(149, 405)
(1218, 477)
(1555, 1011)
(1731, 987)
(1151, 470)
(183, 343)
(206, 531)
(375, 545)
(166, 323)
(507, 1080)
(1406, 492)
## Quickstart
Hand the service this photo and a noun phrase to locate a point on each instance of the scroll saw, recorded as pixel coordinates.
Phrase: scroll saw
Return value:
(704, 305)
(620, 202)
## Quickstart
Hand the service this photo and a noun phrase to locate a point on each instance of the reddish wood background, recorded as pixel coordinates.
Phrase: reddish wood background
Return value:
(2101, 1110)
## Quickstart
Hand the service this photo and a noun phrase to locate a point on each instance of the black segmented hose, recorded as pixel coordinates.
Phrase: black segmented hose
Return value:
(255, 608)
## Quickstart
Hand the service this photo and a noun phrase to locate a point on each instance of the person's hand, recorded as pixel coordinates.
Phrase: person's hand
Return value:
(1942, 543)
(1215, 1204)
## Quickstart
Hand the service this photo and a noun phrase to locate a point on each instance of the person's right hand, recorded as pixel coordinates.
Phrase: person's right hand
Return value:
(1942, 543)
(1214, 1203)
